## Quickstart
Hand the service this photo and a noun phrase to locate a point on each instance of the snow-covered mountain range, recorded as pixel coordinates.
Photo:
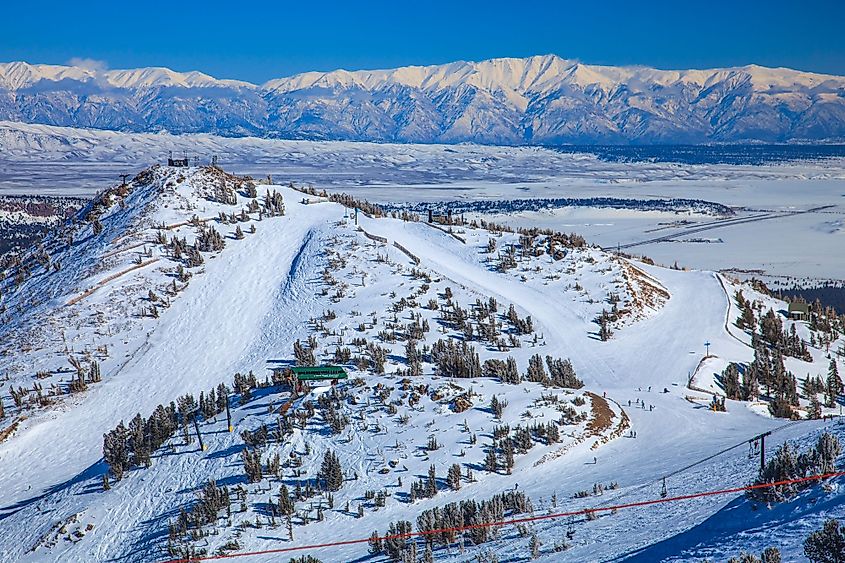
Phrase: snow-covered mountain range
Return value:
(535, 100)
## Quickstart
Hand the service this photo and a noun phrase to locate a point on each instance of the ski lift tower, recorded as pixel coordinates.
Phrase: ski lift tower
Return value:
(706, 348)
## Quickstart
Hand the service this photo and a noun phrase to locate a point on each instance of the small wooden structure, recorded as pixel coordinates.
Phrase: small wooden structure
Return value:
(799, 311)
(317, 373)
(177, 162)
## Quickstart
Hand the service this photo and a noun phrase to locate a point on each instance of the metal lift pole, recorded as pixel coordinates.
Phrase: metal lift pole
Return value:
(763, 450)
(197, 428)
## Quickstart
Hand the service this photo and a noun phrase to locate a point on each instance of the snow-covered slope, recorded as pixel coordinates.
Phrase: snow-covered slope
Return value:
(537, 100)
(140, 296)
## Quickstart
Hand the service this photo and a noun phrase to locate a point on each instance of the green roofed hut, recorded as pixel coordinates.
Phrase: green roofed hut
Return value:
(318, 373)
(799, 311)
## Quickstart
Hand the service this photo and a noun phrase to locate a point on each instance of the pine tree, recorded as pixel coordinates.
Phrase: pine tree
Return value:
(536, 371)
(491, 462)
(431, 482)
(833, 387)
(454, 477)
(116, 450)
(814, 411)
(507, 452)
(826, 545)
(252, 465)
(376, 544)
(304, 354)
(331, 471)
(496, 407)
(138, 443)
(534, 546)
(826, 452)
(730, 382)
(770, 555)
(286, 506)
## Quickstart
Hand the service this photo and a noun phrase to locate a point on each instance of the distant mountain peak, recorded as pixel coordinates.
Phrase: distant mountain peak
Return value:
(543, 99)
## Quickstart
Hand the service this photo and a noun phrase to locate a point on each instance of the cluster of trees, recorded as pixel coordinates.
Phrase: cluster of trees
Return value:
(560, 374)
(180, 250)
(771, 330)
(767, 370)
(560, 371)
(505, 370)
(125, 448)
(826, 545)
(769, 555)
(478, 324)
(455, 359)
(223, 192)
(331, 471)
(304, 354)
(507, 442)
(348, 201)
(209, 240)
(83, 376)
(377, 356)
(425, 488)
(521, 326)
(252, 465)
(210, 501)
(331, 405)
(440, 526)
(788, 464)
(274, 204)
(788, 342)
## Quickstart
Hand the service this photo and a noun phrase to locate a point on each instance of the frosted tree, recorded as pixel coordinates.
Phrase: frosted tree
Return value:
(116, 450)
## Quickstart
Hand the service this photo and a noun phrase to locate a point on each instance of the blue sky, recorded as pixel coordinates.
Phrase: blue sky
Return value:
(256, 41)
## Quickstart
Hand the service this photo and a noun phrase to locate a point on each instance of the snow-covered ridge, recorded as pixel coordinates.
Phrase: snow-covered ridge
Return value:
(544, 74)
(20, 75)
(538, 100)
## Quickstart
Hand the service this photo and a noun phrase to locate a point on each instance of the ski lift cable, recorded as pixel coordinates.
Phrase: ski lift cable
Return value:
(512, 521)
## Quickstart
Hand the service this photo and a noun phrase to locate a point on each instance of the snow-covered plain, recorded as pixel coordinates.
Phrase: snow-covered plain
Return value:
(55, 160)
(245, 306)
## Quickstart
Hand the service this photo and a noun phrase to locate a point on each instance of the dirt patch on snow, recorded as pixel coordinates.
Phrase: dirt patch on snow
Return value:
(646, 291)
(602, 415)
(6, 432)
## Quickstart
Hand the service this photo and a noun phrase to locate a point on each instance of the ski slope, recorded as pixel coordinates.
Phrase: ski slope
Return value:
(244, 308)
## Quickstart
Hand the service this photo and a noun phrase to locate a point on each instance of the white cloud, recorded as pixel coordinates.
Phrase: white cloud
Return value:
(90, 64)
